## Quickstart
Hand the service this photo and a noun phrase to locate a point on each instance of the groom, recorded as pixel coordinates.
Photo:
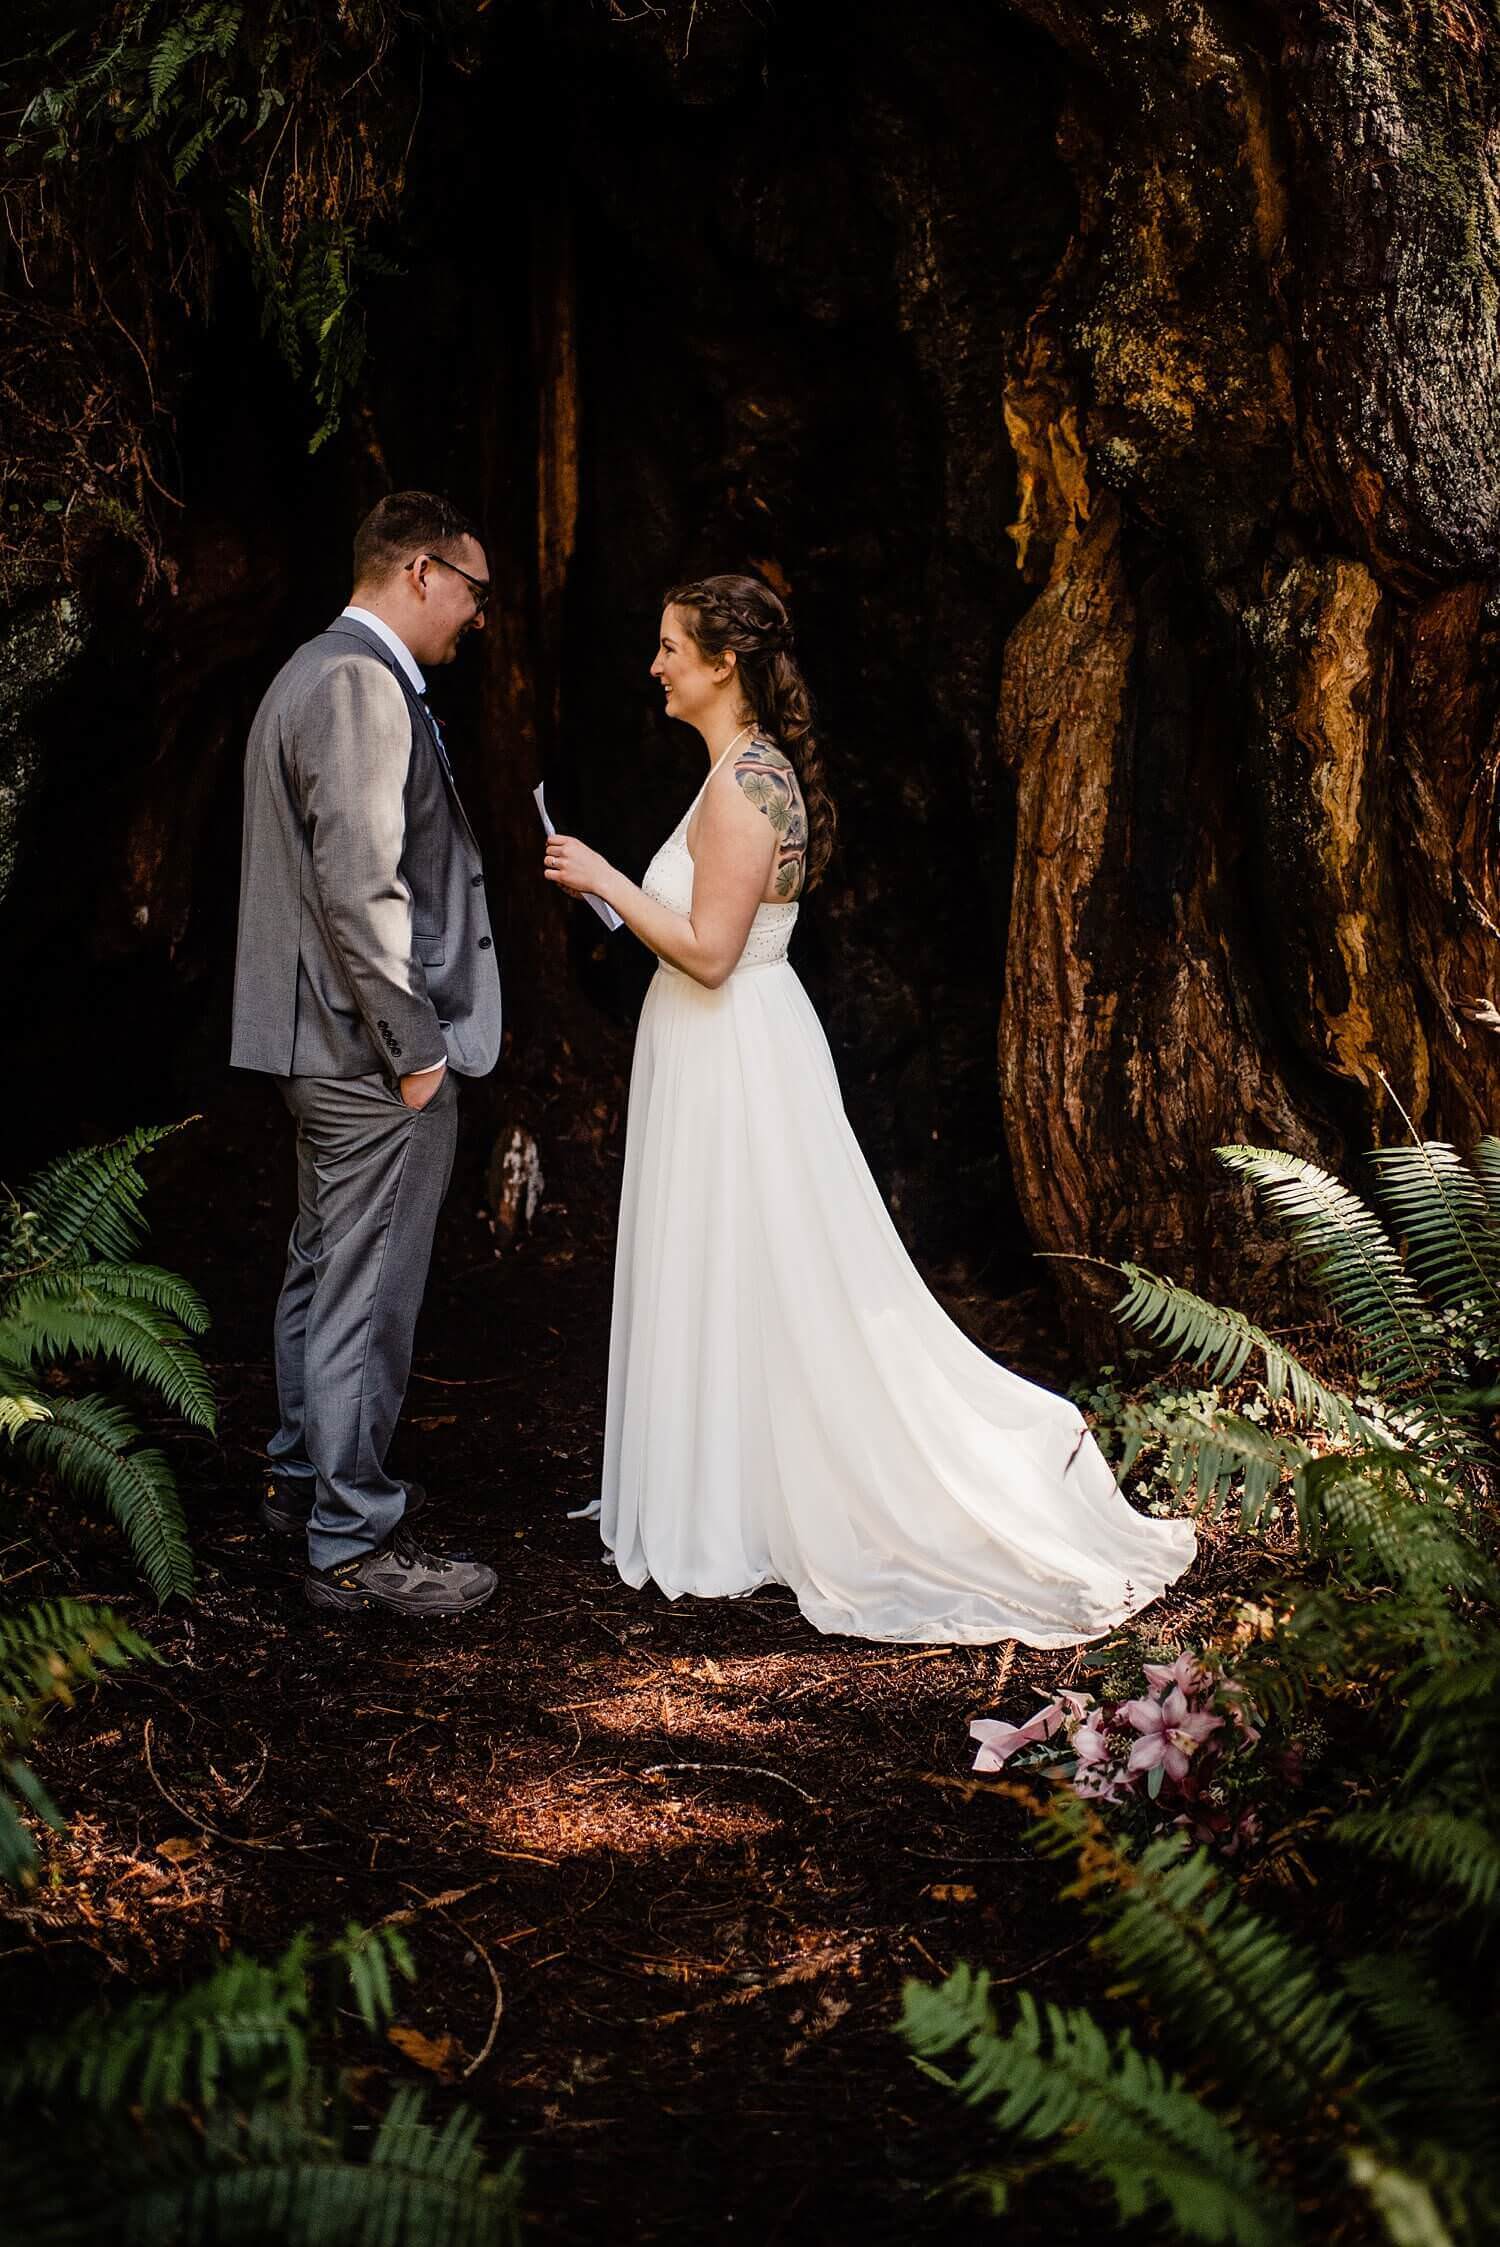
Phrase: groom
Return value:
(366, 983)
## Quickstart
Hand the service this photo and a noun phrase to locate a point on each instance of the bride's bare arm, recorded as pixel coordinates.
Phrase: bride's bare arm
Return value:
(732, 863)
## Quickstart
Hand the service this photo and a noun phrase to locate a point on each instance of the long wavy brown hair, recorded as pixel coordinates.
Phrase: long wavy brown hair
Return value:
(740, 613)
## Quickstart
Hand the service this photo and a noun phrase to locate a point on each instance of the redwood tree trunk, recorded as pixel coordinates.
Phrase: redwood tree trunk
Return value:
(1185, 781)
(1251, 711)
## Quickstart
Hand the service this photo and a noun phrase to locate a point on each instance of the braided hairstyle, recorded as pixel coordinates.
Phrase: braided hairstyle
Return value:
(721, 613)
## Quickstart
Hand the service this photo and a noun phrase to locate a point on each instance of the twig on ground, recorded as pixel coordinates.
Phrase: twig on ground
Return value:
(756, 1770)
(237, 1802)
(489, 2043)
(882, 1662)
(236, 1841)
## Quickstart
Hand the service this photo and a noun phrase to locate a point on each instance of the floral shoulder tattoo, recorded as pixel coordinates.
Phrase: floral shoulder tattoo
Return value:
(769, 780)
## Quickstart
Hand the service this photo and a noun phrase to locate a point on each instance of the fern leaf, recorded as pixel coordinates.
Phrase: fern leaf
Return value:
(18, 1409)
(1438, 1206)
(1438, 2076)
(18, 1854)
(1108, 2109)
(141, 1284)
(366, 1956)
(1211, 1456)
(1231, 1985)
(87, 1445)
(1408, 2213)
(1441, 1847)
(1350, 1256)
(88, 1201)
(1224, 1341)
(1485, 1164)
(280, 2174)
(53, 1648)
(146, 1344)
(1390, 1517)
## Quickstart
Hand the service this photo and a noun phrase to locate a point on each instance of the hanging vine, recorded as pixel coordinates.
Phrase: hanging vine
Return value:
(143, 150)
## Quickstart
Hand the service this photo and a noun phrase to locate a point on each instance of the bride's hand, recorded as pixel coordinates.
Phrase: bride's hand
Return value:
(574, 867)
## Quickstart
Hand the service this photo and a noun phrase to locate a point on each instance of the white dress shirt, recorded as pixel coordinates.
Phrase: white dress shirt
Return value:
(393, 641)
(408, 663)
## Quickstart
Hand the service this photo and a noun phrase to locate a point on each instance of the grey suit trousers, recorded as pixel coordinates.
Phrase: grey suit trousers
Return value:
(371, 1176)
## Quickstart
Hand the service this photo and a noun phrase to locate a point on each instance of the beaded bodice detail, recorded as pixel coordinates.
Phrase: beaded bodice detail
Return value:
(669, 880)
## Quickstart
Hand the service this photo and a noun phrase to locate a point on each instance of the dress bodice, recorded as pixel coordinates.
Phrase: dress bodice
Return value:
(669, 880)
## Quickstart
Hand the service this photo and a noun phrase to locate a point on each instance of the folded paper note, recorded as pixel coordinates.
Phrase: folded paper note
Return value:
(606, 913)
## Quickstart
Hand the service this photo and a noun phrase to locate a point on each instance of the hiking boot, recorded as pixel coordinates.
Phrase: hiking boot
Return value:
(401, 1576)
(283, 1510)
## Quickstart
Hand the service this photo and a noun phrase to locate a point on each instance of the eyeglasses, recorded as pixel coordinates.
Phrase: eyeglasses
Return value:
(478, 586)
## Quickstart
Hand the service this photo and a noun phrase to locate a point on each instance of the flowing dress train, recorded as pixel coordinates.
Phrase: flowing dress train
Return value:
(787, 1402)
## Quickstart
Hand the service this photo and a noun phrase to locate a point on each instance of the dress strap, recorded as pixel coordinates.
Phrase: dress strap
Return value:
(713, 768)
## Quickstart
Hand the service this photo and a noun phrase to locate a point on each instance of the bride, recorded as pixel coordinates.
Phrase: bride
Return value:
(787, 1402)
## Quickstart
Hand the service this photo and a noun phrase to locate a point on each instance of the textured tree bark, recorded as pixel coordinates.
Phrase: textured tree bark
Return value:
(1251, 711)
(1187, 777)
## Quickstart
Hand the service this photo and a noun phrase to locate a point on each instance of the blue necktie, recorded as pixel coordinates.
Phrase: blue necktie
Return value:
(437, 735)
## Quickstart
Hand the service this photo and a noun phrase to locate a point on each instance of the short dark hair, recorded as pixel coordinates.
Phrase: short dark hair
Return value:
(403, 524)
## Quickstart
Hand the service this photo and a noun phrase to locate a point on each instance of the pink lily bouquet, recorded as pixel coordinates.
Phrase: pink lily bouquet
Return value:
(1171, 1745)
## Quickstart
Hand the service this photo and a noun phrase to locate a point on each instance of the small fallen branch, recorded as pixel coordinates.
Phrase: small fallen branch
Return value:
(748, 1770)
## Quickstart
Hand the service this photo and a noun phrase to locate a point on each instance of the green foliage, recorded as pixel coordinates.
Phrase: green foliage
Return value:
(1109, 2109)
(1368, 2076)
(1223, 1341)
(210, 2114)
(260, 127)
(68, 1292)
(48, 1652)
(1349, 1255)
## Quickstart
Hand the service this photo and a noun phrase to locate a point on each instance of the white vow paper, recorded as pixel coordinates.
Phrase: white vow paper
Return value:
(606, 913)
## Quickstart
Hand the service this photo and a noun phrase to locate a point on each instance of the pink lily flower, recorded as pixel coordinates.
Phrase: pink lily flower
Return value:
(999, 1742)
(1243, 1713)
(1170, 1732)
(1187, 1671)
(1090, 1744)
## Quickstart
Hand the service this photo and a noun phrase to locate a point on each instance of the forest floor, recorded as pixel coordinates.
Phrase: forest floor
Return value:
(666, 1866)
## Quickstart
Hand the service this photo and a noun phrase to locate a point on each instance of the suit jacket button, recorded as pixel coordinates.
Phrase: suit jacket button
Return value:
(484, 943)
(476, 881)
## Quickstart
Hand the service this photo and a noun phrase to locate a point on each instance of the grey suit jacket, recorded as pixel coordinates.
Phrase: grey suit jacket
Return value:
(364, 935)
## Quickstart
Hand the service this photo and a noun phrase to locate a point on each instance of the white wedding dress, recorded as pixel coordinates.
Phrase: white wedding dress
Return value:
(787, 1402)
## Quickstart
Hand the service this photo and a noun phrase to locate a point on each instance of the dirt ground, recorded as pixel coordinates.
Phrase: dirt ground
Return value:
(669, 1865)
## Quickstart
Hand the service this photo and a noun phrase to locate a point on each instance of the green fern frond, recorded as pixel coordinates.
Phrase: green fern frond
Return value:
(1230, 1984)
(1112, 2110)
(18, 1409)
(1215, 1457)
(1409, 2215)
(1437, 2075)
(1350, 1256)
(140, 1284)
(1438, 1207)
(146, 1344)
(367, 1957)
(1347, 1639)
(1485, 1164)
(1390, 1517)
(88, 1201)
(18, 1853)
(242, 2029)
(1224, 1341)
(1443, 1848)
(1451, 1720)
(211, 29)
(279, 2174)
(53, 1648)
(87, 1445)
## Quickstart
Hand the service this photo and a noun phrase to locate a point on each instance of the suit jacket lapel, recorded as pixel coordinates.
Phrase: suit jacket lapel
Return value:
(350, 628)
